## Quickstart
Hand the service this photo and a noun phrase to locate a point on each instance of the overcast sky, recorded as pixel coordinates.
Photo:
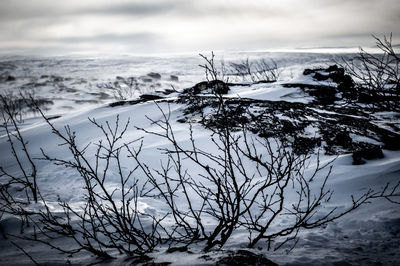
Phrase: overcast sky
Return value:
(58, 27)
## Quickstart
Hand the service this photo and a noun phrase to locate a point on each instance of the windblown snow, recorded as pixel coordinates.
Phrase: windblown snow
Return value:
(76, 90)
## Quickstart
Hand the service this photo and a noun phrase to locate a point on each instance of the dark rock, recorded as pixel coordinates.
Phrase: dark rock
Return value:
(332, 68)
(303, 145)
(10, 78)
(168, 91)
(337, 76)
(346, 86)
(320, 77)
(56, 78)
(173, 78)
(115, 104)
(323, 94)
(289, 127)
(208, 87)
(307, 72)
(40, 84)
(343, 139)
(156, 263)
(177, 249)
(244, 258)
(150, 97)
(369, 152)
(280, 119)
(345, 83)
(391, 141)
(154, 75)
(142, 98)
(144, 79)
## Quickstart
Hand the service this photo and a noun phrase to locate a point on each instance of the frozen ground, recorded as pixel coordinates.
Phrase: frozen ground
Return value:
(368, 236)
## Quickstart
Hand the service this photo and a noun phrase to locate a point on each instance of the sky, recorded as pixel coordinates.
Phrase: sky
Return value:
(59, 27)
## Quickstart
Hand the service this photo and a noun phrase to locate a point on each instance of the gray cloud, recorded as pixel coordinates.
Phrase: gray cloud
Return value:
(147, 8)
(17, 9)
(107, 38)
(163, 25)
(41, 9)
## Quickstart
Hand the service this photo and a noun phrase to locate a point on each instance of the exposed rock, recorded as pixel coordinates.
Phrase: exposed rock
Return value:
(345, 83)
(320, 77)
(323, 94)
(346, 86)
(332, 68)
(177, 249)
(10, 78)
(391, 141)
(150, 97)
(343, 138)
(119, 103)
(146, 79)
(304, 126)
(168, 91)
(307, 71)
(56, 78)
(73, 90)
(142, 98)
(368, 152)
(372, 97)
(283, 119)
(304, 145)
(173, 78)
(208, 87)
(244, 258)
(154, 75)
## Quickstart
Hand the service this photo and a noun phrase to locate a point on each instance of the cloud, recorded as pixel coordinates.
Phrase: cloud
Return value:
(41, 9)
(182, 25)
(106, 38)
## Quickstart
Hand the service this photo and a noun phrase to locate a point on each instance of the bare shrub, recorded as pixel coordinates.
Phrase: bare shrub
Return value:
(377, 76)
(245, 183)
(26, 179)
(21, 103)
(122, 88)
(261, 70)
(256, 71)
(209, 66)
(109, 220)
